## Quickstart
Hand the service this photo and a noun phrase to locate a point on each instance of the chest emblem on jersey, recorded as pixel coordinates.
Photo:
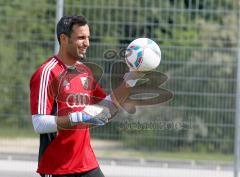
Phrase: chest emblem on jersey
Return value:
(85, 82)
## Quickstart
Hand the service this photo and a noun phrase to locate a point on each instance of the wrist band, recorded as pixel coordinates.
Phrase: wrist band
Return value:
(77, 117)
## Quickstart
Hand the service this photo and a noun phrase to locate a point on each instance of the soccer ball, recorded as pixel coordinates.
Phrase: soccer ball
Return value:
(143, 54)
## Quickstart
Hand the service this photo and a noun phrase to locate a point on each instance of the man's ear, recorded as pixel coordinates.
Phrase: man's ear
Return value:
(64, 39)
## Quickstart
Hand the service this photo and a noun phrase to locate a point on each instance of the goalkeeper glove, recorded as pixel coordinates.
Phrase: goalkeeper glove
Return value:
(131, 78)
(92, 114)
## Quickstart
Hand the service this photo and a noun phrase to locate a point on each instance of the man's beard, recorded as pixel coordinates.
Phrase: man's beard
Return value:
(81, 56)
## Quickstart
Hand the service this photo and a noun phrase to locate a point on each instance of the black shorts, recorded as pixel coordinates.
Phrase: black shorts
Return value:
(92, 173)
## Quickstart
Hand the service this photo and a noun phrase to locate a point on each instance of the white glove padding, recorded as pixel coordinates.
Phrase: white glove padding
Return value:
(92, 114)
(97, 111)
(132, 77)
(108, 103)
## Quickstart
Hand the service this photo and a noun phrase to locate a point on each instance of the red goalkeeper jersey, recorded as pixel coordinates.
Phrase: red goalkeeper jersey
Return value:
(56, 89)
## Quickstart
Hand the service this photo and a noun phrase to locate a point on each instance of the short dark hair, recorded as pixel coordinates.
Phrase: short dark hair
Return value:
(66, 23)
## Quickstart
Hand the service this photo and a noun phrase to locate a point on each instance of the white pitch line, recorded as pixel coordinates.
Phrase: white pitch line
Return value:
(129, 171)
(16, 165)
(126, 171)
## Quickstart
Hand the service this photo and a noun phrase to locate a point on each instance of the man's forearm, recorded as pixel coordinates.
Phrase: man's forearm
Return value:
(120, 94)
(91, 114)
(63, 122)
(49, 123)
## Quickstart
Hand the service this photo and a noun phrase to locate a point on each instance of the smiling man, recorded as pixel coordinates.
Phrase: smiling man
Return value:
(58, 103)
(65, 101)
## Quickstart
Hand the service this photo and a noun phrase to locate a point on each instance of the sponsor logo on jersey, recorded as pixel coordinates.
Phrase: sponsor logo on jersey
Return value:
(77, 100)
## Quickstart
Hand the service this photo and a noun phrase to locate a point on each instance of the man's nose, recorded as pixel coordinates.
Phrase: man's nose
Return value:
(86, 42)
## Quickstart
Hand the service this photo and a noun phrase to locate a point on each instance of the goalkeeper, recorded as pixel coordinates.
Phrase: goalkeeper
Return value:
(63, 107)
